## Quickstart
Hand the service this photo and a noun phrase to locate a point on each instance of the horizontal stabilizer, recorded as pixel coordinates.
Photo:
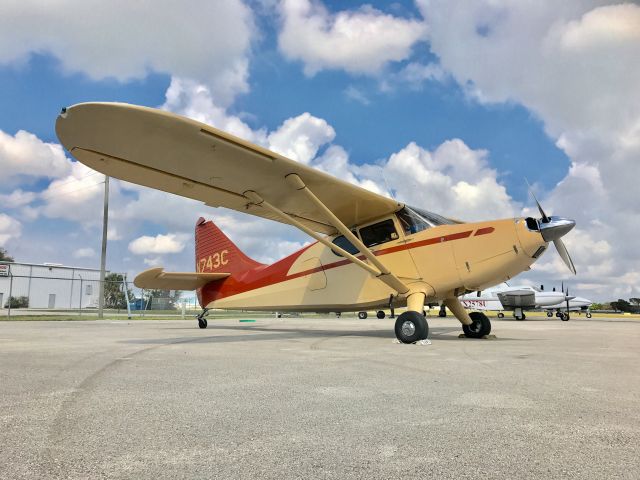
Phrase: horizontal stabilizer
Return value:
(157, 278)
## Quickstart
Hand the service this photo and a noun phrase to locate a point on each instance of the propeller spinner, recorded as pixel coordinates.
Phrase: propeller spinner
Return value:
(552, 229)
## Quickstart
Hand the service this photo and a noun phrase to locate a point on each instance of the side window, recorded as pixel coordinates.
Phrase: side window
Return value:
(342, 242)
(378, 233)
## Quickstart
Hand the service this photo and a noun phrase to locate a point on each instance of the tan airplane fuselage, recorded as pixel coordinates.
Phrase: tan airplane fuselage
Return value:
(441, 262)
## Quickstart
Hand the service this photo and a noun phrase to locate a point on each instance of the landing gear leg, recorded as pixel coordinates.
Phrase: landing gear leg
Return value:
(202, 321)
(411, 326)
(588, 314)
(391, 309)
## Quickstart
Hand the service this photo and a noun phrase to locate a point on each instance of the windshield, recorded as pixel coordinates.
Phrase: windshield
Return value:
(414, 220)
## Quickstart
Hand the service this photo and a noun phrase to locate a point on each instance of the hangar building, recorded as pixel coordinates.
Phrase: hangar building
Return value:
(49, 285)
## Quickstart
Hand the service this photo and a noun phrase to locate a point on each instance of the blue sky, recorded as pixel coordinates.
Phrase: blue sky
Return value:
(433, 85)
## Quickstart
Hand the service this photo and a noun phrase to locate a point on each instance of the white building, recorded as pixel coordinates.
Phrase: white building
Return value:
(49, 285)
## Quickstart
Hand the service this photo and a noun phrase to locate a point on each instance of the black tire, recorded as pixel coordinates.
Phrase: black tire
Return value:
(558, 314)
(442, 313)
(381, 314)
(411, 327)
(500, 315)
(202, 322)
(565, 317)
(524, 316)
(549, 314)
(480, 327)
(588, 314)
(362, 315)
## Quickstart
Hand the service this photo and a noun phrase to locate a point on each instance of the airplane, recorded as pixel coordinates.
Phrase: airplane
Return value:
(513, 298)
(572, 304)
(370, 251)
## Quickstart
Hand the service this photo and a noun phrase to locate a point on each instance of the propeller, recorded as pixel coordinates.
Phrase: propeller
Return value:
(552, 229)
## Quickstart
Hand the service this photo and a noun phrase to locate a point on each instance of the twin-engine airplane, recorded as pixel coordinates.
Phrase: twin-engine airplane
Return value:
(370, 251)
(517, 299)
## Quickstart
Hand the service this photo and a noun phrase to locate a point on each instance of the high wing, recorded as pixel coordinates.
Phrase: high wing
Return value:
(157, 278)
(175, 154)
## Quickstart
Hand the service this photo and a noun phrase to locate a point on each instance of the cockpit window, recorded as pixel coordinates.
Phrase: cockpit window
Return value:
(434, 218)
(345, 244)
(414, 220)
(411, 221)
(378, 233)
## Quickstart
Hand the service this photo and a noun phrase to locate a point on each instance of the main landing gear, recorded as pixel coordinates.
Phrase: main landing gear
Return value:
(411, 327)
(202, 321)
(564, 316)
(362, 315)
(480, 327)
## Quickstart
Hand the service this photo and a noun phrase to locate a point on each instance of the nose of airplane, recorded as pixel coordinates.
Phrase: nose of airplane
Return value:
(555, 228)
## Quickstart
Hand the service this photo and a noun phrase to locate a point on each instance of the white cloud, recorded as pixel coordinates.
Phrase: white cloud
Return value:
(300, 138)
(24, 154)
(160, 244)
(85, 252)
(209, 41)
(77, 197)
(17, 198)
(354, 93)
(10, 228)
(359, 41)
(575, 65)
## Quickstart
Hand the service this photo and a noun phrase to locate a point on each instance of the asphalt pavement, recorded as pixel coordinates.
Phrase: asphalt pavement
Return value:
(318, 398)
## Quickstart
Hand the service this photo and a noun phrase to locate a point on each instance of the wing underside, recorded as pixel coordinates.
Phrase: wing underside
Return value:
(174, 154)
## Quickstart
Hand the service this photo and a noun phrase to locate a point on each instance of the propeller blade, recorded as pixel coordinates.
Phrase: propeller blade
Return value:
(564, 254)
(545, 219)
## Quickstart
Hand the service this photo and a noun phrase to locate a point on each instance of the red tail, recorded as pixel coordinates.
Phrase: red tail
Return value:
(215, 252)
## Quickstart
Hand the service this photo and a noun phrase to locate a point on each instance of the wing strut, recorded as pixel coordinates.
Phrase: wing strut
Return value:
(381, 272)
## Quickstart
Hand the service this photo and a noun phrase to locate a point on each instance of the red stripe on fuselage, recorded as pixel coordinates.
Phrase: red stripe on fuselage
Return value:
(278, 272)
(483, 231)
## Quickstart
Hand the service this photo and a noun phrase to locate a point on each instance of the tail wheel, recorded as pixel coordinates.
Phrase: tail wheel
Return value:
(381, 314)
(362, 315)
(480, 327)
(411, 327)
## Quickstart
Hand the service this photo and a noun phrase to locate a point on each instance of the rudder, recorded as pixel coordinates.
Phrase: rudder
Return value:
(215, 252)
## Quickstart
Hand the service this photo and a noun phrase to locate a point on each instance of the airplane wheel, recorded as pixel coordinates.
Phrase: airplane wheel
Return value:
(362, 315)
(480, 327)
(558, 314)
(522, 317)
(565, 317)
(411, 327)
(549, 314)
(442, 313)
(381, 314)
(500, 315)
(202, 322)
(588, 314)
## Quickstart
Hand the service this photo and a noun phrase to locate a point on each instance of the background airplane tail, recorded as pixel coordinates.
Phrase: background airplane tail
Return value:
(215, 252)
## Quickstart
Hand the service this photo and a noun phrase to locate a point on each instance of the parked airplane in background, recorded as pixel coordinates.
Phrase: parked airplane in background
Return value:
(371, 251)
(512, 298)
(576, 304)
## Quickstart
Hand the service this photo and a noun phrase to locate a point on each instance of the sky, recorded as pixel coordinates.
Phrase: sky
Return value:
(447, 105)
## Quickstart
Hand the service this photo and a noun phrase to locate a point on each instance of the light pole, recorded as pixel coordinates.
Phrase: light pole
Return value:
(103, 258)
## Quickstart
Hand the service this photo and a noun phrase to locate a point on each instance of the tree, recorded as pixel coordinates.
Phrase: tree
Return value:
(17, 302)
(113, 292)
(4, 256)
(621, 305)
